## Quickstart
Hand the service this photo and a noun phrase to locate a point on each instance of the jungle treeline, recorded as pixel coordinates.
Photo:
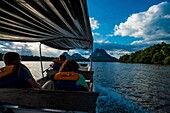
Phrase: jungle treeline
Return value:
(156, 54)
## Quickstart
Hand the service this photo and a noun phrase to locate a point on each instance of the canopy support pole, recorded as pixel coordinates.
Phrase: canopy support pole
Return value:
(91, 62)
(91, 57)
(41, 62)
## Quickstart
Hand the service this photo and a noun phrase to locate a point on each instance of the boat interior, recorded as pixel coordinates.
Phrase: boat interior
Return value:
(60, 24)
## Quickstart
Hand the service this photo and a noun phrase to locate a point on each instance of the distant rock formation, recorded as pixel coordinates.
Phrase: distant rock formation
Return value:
(103, 56)
(75, 56)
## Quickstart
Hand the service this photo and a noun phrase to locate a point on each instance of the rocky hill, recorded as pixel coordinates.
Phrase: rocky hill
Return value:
(75, 56)
(103, 56)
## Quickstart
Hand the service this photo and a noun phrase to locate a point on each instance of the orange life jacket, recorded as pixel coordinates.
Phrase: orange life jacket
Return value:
(66, 76)
(67, 81)
(10, 77)
(6, 70)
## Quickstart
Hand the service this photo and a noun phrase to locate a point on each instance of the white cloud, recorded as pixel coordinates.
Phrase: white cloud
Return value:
(107, 42)
(29, 49)
(33, 49)
(95, 34)
(102, 41)
(98, 41)
(109, 35)
(154, 24)
(117, 53)
(94, 23)
(98, 38)
(166, 16)
(146, 42)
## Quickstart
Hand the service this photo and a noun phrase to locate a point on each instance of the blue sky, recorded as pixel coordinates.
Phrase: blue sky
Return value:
(118, 26)
(125, 26)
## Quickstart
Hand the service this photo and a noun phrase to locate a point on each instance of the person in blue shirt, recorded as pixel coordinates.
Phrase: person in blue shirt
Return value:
(15, 74)
(58, 62)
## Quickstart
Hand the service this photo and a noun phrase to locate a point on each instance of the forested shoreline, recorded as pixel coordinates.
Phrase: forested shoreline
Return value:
(32, 58)
(156, 54)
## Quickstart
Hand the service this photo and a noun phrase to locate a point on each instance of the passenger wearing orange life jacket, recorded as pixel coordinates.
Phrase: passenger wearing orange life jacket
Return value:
(68, 79)
(58, 62)
(15, 74)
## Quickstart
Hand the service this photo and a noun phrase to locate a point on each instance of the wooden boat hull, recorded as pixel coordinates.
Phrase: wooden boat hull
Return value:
(49, 99)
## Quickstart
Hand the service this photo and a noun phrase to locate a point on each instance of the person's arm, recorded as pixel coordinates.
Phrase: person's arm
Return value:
(33, 83)
(51, 65)
(26, 74)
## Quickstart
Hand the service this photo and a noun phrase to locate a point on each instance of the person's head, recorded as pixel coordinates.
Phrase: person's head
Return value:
(69, 65)
(11, 58)
(62, 57)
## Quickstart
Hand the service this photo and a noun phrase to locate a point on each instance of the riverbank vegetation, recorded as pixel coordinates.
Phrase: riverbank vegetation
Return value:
(156, 54)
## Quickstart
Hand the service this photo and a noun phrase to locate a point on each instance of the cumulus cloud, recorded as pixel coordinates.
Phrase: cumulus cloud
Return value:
(21, 48)
(110, 35)
(99, 38)
(117, 53)
(95, 34)
(102, 41)
(94, 23)
(152, 25)
(28, 49)
(166, 16)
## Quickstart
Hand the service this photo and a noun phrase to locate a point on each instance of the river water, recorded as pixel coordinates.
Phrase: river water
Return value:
(126, 88)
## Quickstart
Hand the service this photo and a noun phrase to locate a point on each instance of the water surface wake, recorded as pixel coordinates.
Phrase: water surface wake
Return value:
(112, 102)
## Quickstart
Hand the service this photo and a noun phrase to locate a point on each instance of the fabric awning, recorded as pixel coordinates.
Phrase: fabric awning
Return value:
(61, 24)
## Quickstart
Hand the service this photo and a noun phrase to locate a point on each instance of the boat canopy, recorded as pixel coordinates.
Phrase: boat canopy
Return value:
(61, 24)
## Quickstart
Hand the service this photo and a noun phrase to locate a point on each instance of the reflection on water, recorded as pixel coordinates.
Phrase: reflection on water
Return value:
(144, 84)
(35, 68)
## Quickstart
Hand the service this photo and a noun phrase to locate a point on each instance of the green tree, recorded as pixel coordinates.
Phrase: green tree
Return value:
(167, 60)
(154, 54)
(131, 58)
(166, 50)
(124, 58)
(158, 58)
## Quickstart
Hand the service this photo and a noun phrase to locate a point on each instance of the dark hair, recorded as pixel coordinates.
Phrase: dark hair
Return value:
(11, 58)
(69, 65)
(62, 57)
